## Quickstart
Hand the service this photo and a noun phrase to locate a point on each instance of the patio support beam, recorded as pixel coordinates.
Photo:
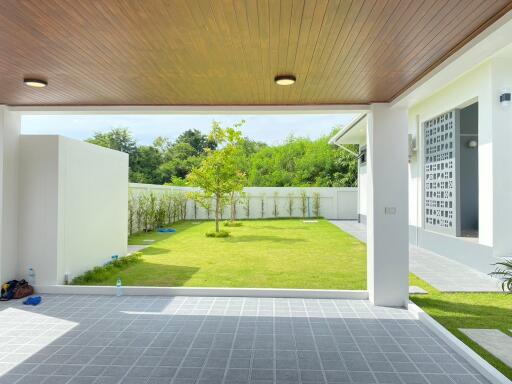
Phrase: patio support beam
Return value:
(10, 123)
(387, 206)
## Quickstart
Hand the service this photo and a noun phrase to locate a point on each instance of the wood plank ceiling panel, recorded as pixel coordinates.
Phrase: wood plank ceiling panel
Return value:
(227, 52)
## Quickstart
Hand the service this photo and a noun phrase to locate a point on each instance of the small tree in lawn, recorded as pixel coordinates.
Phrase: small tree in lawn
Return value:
(219, 175)
(245, 201)
(304, 202)
(316, 204)
(141, 209)
(276, 204)
(290, 204)
(204, 200)
(235, 197)
(131, 212)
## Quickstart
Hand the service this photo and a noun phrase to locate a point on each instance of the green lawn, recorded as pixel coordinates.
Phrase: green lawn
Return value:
(260, 253)
(294, 254)
(468, 310)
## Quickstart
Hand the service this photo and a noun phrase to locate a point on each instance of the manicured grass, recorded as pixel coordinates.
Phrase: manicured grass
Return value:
(284, 253)
(468, 310)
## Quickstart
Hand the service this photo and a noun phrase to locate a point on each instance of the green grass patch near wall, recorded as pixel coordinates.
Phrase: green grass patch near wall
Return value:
(284, 253)
(107, 271)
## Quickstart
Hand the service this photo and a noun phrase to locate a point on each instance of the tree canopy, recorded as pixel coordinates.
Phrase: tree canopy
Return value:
(298, 162)
(219, 173)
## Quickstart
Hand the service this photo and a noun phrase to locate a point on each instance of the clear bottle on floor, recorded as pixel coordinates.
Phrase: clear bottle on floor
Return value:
(31, 276)
(119, 287)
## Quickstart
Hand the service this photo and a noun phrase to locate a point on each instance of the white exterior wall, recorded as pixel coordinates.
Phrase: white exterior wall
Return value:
(483, 85)
(473, 86)
(331, 204)
(501, 77)
(39, 207)
(93, 200)
(73, 206)
(9, 146)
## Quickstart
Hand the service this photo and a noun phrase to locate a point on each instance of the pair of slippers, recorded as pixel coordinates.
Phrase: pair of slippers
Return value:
(34, 300)
(171, 230)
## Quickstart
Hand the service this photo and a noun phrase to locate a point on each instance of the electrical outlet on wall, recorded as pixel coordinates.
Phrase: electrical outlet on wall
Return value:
(390, 210)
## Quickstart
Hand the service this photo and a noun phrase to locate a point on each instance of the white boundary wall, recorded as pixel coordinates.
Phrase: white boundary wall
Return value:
(73, 206)
(335, 203)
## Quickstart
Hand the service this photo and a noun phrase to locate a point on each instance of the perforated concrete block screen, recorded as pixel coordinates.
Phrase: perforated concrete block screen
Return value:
(440, 159)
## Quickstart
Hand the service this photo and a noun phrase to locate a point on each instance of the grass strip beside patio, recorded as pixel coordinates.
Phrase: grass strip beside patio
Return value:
(468, 310)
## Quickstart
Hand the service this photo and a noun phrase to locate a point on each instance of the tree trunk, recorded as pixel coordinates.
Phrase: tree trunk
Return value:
(217, 211)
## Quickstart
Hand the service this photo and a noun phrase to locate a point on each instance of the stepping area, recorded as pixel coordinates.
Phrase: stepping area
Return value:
(494, 341)
(443, 273)
(209, 340)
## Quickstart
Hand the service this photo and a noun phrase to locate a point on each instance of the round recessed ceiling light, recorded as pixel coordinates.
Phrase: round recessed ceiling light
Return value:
(35, 83)
(285, 79)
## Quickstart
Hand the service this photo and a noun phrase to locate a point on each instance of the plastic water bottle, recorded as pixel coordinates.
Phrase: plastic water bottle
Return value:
(31, 276)
(119, 289)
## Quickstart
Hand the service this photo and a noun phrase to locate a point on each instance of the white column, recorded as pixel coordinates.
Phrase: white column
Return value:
(387, 206)
(10, 123)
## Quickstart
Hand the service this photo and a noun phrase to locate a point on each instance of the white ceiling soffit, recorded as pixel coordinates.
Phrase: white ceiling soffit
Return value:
(481, 48)
(323, 109)
(353, 133)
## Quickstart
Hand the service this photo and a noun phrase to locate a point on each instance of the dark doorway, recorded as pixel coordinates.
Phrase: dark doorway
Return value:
(469, 170)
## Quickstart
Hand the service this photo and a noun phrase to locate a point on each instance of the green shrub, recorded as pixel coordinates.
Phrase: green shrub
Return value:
(106, 271)
(217, 234)
(232, 223)
(504, 273)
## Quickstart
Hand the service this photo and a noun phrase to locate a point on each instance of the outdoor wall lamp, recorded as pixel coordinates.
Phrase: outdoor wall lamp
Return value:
(285, 79)
(35, 83)
(505, 98)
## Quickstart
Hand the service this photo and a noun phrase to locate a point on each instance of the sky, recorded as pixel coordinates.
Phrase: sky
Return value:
(271, 129)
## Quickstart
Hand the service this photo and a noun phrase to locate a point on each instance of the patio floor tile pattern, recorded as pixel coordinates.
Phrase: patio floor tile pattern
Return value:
(150, 340)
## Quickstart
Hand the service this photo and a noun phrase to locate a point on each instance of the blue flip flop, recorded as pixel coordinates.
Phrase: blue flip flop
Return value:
(34, 300)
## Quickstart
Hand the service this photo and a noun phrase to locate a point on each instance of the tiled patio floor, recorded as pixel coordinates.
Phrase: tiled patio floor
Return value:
(101, 339)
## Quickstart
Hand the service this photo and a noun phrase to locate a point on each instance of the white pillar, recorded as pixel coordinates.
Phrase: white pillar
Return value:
(387, 206)
(10, 123)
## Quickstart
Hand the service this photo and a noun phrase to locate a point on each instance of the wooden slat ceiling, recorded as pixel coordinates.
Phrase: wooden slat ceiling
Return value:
(227, 52)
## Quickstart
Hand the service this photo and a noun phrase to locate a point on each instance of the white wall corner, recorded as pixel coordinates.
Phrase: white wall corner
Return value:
(10, 123)
(74, 206)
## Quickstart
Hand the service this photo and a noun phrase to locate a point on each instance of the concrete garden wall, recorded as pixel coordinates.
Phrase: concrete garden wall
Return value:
(72, 206)
(335, 203)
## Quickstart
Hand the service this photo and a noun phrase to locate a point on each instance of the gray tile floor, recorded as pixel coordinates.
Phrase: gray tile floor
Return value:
(208, 340)
(441, 272)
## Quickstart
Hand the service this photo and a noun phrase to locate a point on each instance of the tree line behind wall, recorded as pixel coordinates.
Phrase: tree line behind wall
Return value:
(298, 162)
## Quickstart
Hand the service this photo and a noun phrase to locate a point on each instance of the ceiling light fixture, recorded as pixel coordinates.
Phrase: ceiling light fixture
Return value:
(285, 79)
(35, 83)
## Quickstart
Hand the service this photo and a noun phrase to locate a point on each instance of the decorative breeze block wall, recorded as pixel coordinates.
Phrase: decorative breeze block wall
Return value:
(440, 184)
